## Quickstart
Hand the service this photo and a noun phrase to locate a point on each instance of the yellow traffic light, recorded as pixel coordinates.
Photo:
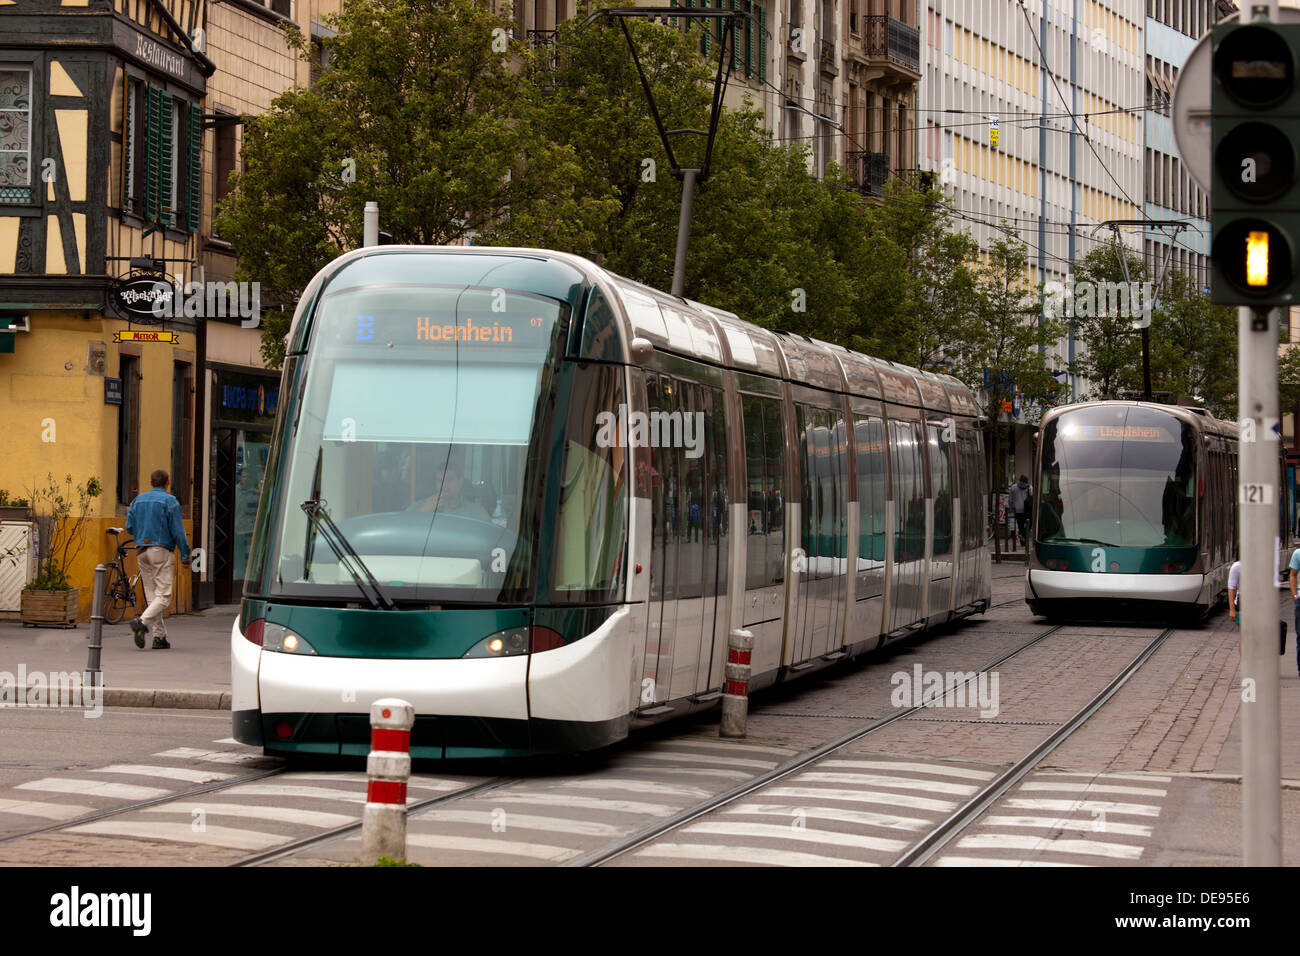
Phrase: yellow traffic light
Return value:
(1257, 258)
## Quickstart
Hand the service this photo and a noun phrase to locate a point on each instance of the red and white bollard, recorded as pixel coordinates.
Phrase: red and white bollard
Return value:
(735, 693)
(383, 823)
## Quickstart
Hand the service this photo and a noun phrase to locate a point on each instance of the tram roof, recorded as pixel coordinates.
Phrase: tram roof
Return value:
(690, 329)
(1199, 417)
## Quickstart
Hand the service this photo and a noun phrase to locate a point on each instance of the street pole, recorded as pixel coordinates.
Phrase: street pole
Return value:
(684, 230)
(1261, 752)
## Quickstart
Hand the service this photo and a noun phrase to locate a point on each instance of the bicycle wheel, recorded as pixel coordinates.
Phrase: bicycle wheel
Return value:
(117, 596)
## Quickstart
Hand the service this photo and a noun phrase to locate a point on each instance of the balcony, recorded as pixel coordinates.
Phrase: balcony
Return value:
(888, 48)
(868, 170)
(543, 41)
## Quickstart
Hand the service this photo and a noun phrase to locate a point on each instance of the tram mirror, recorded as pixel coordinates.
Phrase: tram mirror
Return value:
(641, 349)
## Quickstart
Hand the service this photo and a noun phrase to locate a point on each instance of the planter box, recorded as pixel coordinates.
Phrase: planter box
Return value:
(15, 513)
(49, 608)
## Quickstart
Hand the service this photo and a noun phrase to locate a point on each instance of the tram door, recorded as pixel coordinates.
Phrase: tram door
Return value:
(939, 448)
(873, 486)
(764, 529)
(906, 579)
(817, 625)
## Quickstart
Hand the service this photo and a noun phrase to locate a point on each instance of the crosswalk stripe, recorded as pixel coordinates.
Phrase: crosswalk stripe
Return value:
(860, 817)
(414, 783)
(522, 821)
(586, 803)
(98, 788)
(1091, 788)
(183, 833)
(693, 772)
(288, 790)
(166, 773)
(637, 786)
(1150, 777)
(965, 772)
(1058, 823)
(1073, 806)
(706, 758)
(744, 854)
(719, 745)
(865, 796)
(212, 756)
(536, 851)
(311, 818)
(1016, 841)
(881, 780)
(48, 811)
(786, 832)
(992, 861)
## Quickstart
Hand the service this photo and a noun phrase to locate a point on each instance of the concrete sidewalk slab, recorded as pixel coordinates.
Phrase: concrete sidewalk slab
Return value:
(194, 674)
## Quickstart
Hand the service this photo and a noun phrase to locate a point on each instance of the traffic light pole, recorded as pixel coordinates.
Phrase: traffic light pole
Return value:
(1261, 751)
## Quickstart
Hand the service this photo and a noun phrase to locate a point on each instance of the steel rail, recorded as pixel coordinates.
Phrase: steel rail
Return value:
(961, 818)
(795, 764)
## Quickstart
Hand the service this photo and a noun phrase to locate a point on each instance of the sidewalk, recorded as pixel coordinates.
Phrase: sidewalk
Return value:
(194, 674)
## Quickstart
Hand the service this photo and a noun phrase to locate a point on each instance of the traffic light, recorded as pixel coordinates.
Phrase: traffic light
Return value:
(1255, 194)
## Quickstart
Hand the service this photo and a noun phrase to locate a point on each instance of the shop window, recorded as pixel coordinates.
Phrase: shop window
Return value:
(182, 431)
(128, 431)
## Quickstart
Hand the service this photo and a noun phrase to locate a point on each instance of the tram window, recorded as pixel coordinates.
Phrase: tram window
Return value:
(592, 526)
(909, 491)
(869, 434)
(761, 423)
(941, 482)
(690, 550)
(717, 506)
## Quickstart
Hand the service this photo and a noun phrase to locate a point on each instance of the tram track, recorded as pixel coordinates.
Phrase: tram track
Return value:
(928, 845)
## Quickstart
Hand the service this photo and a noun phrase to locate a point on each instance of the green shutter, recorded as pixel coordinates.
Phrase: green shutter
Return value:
(762, 45)
(673, 22)
(194, 195)
(152, 154)
(706, 38)
(735, 39)
(749, 38)
(166, 139)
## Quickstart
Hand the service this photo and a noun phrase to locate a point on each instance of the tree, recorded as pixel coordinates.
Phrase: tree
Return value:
(1194, 347)
(420, 111)
(1005, 352)
(1110, 360)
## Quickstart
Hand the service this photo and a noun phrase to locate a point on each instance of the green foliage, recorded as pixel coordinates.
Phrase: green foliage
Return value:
(1110, 356)
(69, 511)
(389, 861)
(1194, 347)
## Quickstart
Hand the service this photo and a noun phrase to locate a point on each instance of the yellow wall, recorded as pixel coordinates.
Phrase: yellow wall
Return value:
(47, 393)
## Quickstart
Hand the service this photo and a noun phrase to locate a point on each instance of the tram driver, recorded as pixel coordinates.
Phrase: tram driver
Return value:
(449, 499)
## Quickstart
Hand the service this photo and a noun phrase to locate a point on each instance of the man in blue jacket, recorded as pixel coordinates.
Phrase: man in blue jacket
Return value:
(154, 520)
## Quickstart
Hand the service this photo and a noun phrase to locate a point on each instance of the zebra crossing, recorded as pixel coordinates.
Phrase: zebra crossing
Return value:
(1065, 818)
(552, 820)
(863, 809)
(859, 810)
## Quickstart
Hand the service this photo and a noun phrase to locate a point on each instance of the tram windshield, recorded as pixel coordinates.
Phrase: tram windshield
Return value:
(1123, 476)
(415, 436)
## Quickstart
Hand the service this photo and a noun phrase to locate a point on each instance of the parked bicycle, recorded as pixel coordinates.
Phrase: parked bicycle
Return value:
(120, 589)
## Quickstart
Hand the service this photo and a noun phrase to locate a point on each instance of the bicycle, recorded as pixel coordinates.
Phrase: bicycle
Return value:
(119, 588)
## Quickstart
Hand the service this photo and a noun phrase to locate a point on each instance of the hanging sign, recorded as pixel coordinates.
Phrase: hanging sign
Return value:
(137, 335)
(993, 130)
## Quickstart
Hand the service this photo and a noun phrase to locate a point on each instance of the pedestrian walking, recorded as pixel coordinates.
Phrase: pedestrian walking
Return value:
(1022, 495)
(154, 520)
(1234, 590)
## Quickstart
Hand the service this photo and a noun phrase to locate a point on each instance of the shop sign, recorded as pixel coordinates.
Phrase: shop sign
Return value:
(143, 298)
(137, 335)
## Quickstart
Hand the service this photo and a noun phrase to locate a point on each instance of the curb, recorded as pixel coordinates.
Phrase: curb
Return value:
(133, 697)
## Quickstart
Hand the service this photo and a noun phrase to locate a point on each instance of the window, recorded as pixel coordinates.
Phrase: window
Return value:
(182, 431)
(15, 134)
(162, 139)
(761, 422)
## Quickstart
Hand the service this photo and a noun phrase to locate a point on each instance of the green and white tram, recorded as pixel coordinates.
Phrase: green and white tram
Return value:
(1136, 512)
(533, 498)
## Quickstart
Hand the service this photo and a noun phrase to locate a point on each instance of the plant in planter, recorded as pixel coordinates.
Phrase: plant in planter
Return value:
(50, 598)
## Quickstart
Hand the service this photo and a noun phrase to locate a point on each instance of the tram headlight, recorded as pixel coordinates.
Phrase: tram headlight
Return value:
(507, 643)
(277, 637)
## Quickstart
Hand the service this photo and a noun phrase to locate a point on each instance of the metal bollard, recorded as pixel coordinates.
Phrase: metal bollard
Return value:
(735, 693)
(383, 822)
(94, 651)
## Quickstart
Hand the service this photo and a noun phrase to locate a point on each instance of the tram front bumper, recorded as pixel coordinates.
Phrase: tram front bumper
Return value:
(1043, 585)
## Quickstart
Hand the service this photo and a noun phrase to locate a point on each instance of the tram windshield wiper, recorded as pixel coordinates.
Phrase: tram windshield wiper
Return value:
(376, 595)
(1070, 540)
